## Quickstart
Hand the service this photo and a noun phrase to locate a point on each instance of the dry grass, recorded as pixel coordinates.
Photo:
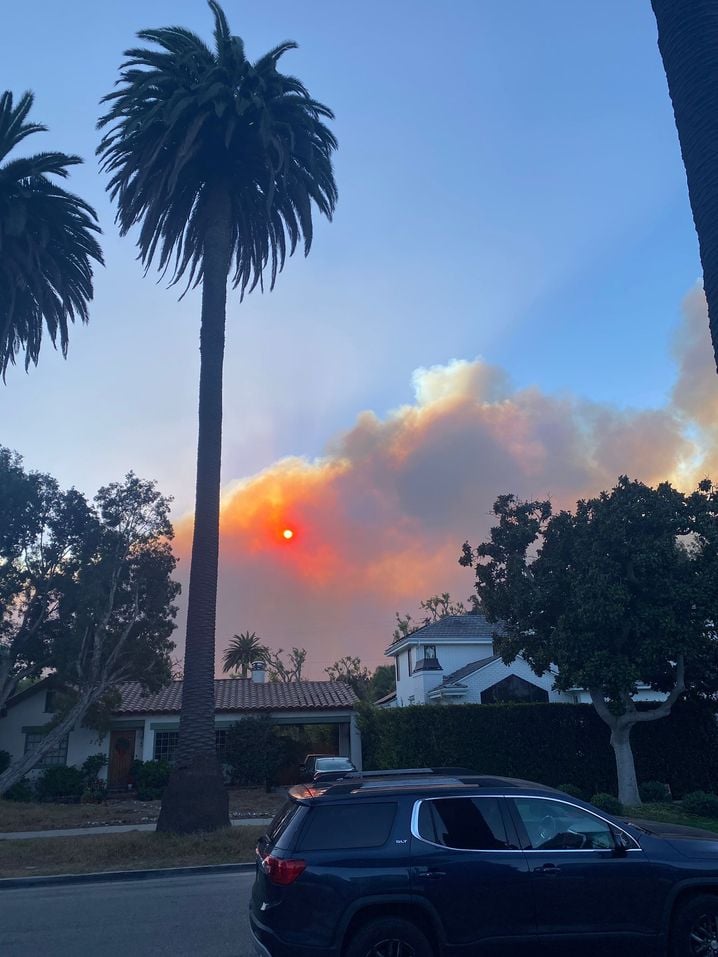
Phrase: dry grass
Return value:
(243, 802)
(133, 851)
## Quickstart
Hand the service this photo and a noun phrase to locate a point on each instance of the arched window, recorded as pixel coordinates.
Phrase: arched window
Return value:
(513, 688)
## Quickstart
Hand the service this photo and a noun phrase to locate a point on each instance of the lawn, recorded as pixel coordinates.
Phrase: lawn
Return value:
(132, 851)
(15, 816)
(671, 814)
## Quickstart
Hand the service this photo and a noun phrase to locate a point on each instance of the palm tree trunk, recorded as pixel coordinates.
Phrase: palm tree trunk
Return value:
(688, 41)
(196, 799)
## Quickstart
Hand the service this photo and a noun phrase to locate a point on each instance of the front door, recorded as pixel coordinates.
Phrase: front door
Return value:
(122, 754)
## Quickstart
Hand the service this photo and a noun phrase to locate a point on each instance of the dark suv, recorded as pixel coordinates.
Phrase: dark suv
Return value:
(419, 864)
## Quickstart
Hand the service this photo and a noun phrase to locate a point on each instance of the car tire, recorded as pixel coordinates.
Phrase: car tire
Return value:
(388, 937)
(696, 921)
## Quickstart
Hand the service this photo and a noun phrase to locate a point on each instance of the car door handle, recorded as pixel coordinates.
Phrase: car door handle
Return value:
(431, 875)
(547, 869)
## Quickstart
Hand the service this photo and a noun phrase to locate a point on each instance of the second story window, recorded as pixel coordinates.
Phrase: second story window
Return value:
(430, 651)
(398, 667)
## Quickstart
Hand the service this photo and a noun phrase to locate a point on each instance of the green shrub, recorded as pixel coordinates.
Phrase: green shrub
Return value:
(655, 792)
(150, 779)
(607, 802)
(701, 804)
(256, 753)
(92, 766)
(22, 791)
(60, 782)
(571, 790)
(4, 761)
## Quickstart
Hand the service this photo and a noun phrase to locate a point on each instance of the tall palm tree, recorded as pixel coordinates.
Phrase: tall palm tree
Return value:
(688, 41)
(47, 242)
(242, 651)
(221, 162)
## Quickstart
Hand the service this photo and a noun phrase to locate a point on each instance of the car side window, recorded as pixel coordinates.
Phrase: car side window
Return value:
(556, 826)
(471, 824)
(346, 826)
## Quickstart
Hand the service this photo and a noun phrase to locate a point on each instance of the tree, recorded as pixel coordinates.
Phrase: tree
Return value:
(221, 161)
(434, 608)
(46, 535)
(688, 42)
(382, 682)
(286, 671)
(242, 652)
(624, 590)
(115, 626)
(350, 671)
(47, 243)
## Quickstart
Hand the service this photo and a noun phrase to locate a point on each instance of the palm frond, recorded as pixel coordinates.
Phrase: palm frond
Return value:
(187, 123)
(47, 243)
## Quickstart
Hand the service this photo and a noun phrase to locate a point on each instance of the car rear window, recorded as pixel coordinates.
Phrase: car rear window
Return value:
(281, 822)
(345, 826)
(471, 824)
(333, 764)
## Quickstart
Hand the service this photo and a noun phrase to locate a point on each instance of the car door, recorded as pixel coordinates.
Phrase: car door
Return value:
(584, 880)
(467, 867)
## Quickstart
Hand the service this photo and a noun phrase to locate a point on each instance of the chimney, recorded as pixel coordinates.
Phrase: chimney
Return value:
(258, 672)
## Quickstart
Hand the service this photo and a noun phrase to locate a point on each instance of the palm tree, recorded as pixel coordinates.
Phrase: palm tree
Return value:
(688, 41)
(242, 652)
(220, 161)
(47, 242)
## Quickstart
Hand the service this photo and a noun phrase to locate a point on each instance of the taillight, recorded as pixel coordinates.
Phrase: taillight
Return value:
(282, 871)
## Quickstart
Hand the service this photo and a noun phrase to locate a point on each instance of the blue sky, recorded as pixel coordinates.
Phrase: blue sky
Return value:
(510, 188)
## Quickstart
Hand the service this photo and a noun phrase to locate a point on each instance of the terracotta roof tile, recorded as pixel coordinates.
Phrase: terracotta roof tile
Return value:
(242, 694)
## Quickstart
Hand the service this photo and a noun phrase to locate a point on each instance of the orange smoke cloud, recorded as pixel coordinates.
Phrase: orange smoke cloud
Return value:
(379, 521)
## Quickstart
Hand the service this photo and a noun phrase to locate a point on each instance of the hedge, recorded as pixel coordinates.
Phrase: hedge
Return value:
(549, 743)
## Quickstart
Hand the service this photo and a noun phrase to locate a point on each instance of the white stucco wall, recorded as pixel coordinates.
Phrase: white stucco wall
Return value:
(497, 671)
(30, 713)
(451, 655)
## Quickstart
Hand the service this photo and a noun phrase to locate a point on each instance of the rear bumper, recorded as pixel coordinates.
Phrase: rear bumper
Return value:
(268, 944)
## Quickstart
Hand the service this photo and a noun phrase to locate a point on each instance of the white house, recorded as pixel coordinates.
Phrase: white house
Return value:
(145, 726)
(452, 661)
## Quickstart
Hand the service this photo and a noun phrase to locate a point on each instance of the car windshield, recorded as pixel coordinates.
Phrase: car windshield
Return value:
(333, 764)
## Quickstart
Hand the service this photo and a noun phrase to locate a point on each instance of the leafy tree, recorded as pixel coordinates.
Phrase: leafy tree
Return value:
(221, 161)
(434, 608)
(289, 670)
(624, 590)
(382, 682)
(256, 752)
(242, 652)
(46, 535)
(350, 671)
(688, 41)
(47, 242)
(115, 626)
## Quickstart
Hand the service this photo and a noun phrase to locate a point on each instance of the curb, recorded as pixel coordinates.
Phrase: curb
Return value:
(101, 877)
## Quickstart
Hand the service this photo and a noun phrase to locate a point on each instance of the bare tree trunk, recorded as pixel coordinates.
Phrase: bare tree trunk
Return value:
(18, 769)
(688, 41)
(196, 798)
(625, 765)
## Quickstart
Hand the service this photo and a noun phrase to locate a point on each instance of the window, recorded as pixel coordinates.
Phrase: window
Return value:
(471, 824)
(398, 668)
(513, 688)
(220, 743)
(430, 651)
(346, 826)
(50, 702)
(165, 746)
(55, 757)
(555, 826)
(410, 656)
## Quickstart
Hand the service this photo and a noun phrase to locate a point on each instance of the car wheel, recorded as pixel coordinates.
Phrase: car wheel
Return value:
(389, 937)
(695, 928)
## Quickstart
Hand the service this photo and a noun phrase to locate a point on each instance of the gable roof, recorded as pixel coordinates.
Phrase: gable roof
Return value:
(467, 670)
(242, 694)
(465, 628)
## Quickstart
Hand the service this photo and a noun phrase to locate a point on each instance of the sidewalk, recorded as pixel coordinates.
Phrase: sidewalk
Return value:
(114, 829)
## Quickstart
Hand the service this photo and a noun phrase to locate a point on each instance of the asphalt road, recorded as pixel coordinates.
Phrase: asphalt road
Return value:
(201, 916)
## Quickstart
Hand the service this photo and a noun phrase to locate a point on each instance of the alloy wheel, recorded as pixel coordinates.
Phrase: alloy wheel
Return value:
(396, 948)
(703, 936)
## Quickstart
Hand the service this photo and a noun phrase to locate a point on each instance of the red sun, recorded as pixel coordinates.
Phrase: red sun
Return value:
(288, 534)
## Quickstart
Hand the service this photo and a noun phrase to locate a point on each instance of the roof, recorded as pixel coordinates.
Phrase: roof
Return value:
(242, 694)
(474, 627)
(467, 670)
(387, 698)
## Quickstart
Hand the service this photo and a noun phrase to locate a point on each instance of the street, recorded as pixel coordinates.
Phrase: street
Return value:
(200, 916)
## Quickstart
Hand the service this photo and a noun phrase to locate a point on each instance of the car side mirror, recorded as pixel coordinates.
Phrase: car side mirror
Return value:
(621, 844)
